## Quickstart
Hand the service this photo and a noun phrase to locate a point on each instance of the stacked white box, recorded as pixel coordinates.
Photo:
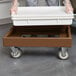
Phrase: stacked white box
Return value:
(32, 16)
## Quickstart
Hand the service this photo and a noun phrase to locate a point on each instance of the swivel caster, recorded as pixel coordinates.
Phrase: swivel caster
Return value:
(15, 52)
(63, 53)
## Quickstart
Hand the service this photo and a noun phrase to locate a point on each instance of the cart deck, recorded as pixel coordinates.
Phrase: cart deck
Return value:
(38, 36)
(61, 36)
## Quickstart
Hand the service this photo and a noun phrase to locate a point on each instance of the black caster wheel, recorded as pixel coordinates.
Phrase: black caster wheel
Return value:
(63, 53)
(15, 52)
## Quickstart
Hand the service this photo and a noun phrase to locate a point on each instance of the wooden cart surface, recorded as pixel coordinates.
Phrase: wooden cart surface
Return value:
(62, 36)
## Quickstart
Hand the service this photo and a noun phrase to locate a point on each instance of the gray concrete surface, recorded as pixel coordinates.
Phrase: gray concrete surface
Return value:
(40, 61)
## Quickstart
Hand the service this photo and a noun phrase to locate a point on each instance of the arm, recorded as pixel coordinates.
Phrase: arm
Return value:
(67, 1)
(15, 2)
(14, 6)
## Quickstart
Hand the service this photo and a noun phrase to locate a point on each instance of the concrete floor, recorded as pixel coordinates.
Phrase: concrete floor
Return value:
(40, 61)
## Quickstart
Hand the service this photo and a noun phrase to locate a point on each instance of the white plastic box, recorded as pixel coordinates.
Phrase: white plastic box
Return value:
(32, 16)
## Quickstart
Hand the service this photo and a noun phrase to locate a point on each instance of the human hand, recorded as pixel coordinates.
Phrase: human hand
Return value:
(14, 9)
(69, 8)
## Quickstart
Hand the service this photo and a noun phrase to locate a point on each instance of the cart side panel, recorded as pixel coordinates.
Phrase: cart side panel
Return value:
(37, 42)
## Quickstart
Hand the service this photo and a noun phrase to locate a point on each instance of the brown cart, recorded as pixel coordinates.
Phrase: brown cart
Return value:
(39, 36)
